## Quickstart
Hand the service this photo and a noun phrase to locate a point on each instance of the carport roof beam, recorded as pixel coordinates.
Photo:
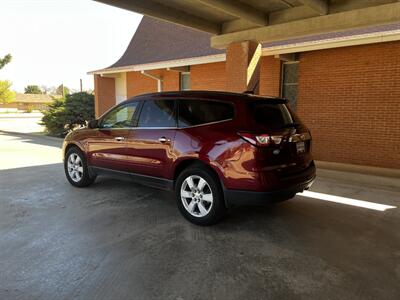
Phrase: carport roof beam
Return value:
(239, 9)
(320, 6)
(167, 13)
(359, 18)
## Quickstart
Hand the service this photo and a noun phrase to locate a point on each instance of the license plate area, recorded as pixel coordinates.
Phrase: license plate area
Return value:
(300, 147)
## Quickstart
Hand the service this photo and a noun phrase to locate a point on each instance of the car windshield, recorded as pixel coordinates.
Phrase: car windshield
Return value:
(270, 115)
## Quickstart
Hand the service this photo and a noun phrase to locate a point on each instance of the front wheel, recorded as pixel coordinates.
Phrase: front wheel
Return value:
(76, 169)
(199, 196)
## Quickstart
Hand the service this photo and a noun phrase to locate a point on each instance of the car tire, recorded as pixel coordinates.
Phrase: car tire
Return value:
(76, 169)
(199, 196)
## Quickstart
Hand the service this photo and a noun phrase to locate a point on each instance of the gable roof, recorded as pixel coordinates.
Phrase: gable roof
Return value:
(157, 42)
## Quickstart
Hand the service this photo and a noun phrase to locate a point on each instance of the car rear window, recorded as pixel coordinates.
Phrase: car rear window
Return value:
(271, 115)
(197, 112)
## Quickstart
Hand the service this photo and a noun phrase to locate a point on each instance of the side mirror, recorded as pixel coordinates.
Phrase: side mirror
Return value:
(93, 124)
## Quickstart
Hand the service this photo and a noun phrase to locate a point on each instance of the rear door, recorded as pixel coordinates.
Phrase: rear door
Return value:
(107, 147)
(150, 144)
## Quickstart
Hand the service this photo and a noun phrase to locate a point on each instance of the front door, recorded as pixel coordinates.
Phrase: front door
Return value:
(150, 145)
(107, 148)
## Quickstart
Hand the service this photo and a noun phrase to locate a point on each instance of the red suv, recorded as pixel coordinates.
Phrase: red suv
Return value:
(214, 149)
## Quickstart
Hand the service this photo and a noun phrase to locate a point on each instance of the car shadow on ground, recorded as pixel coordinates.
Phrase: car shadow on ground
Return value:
(52, 233)
(36, 138)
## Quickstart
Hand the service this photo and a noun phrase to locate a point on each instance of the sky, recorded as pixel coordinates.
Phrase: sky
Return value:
(54, 42)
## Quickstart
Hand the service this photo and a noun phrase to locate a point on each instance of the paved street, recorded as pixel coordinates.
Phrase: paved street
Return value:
(119, 240)
(21, 122)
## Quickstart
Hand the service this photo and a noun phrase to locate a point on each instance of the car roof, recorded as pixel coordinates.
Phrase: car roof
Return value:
(209, 95)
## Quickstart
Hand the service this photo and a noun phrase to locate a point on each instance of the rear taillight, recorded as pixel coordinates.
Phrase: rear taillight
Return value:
(261, 140)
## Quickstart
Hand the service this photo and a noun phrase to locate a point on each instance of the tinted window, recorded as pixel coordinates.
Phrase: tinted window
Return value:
(196, 112)
(157, 113)
(120, 117)
(269, 114)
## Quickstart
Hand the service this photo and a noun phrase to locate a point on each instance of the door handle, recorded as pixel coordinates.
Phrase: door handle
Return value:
(119, 138)
(163, 139)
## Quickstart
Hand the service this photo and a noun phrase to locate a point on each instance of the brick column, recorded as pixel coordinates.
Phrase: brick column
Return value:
(243, 66)
(270, 76)
(104, 94)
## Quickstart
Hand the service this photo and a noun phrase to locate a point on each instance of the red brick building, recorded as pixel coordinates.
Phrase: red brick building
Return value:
(345, 86)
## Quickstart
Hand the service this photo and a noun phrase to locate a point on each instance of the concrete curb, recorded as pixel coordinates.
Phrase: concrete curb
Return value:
(359, 178)
(368, 170)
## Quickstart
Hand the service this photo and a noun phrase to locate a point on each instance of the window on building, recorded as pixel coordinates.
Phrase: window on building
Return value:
(157, 113)
(120, 117)
(185, 81)
(196, 112)
(290, 75)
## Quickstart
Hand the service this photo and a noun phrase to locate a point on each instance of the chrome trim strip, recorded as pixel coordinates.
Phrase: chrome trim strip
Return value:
(205, 124)
(131, 128)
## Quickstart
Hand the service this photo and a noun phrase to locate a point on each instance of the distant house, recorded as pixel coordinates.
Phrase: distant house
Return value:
(24, 102)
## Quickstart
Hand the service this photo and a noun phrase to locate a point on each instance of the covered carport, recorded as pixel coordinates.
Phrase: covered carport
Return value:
(120, 240)
(241, 26)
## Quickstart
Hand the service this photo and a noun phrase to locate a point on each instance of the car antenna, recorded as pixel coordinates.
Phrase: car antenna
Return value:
(251, 92)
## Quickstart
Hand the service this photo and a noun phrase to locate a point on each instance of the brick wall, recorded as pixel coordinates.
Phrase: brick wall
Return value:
(202, 77)
(350, 99)
(270, 76)
(208, 77)
(137, 83)
(104, 92)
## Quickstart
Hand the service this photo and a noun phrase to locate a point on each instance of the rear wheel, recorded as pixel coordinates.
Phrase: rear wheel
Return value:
(199, 196)
(76, 169)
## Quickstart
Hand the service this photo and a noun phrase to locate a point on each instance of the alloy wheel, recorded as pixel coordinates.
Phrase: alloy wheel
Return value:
(75, 167)
(196, 196)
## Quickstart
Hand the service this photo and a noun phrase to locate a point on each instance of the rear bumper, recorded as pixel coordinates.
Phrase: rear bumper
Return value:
(241, 197)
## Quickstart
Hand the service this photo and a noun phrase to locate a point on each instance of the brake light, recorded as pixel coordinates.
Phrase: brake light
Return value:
(261, 140)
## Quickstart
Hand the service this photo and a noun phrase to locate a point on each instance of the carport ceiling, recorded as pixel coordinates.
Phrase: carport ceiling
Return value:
(266, 20)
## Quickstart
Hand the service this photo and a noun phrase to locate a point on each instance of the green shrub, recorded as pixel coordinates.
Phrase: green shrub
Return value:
(65, 115)
(54, 118)
(79, 109)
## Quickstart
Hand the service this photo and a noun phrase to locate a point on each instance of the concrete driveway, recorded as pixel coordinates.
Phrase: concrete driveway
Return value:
(119, 240)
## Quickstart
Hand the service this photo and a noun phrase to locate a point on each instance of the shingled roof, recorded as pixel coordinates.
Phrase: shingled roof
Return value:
(158, 41)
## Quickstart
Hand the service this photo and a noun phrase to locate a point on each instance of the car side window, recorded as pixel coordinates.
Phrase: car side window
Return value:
(197, 112)
(157, 113)
(120, 117)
